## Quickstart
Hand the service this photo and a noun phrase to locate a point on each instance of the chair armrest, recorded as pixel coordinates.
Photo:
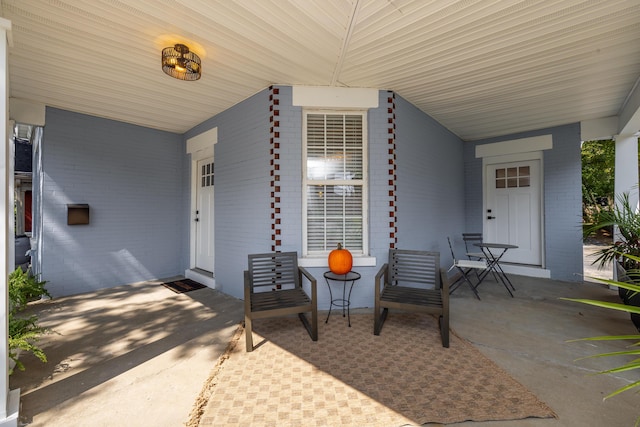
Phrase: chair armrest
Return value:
(312, 280)
(384, 271)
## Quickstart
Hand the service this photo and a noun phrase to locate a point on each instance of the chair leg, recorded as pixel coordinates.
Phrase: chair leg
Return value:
(444, 329)
(473, 288)
(312, 328)
(314, 323)
(376, 315)
(248, 333)
(379, 321)
(463, 278)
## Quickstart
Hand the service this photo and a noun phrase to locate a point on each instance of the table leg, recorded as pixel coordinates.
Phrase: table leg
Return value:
(349, 302)
(345, 301)
(330, 299)
(344, 293)
(494, 265)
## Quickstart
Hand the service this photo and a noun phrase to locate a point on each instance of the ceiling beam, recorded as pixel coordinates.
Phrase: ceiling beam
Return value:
(629, 122)
(345, 42)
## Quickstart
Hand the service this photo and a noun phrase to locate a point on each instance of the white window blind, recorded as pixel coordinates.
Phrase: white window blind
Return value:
(335, 182)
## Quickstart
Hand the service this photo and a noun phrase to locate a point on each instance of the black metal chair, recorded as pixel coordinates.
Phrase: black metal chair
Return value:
(473, 253)
(463, 268)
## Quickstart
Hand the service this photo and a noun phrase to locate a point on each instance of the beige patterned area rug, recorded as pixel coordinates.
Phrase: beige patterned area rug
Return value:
(351, 377)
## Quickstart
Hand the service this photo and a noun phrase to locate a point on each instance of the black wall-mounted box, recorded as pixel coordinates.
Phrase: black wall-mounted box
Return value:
(77, 214)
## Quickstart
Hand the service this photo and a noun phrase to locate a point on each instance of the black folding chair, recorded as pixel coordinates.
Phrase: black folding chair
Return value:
(464, 266)
(475, 253)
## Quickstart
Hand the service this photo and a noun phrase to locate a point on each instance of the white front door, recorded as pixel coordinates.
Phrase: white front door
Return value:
(513, 209)
(204, 216)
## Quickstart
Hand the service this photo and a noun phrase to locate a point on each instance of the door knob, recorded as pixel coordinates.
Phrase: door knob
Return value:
(491, 217)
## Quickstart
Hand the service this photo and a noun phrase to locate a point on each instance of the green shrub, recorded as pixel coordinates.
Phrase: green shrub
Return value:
(24, 331)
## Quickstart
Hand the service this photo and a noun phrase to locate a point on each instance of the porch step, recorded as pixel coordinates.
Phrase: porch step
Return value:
(205, 277)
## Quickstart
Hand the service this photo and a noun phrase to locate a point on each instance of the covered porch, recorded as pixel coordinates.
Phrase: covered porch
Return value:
(109, 358)
(451, 89)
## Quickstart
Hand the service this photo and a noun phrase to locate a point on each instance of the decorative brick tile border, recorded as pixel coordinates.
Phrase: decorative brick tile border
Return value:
(391, 146)
(274, 152)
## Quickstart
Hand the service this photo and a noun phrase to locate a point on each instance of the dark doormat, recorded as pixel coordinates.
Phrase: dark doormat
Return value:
(183, 285)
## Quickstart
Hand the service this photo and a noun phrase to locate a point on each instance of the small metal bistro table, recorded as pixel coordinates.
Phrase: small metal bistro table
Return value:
(345, 301)
(493, 262)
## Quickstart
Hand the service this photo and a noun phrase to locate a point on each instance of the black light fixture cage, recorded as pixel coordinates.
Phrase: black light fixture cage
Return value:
(180, 63)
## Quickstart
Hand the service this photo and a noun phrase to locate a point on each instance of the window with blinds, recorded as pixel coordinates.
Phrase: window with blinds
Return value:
(334, 182)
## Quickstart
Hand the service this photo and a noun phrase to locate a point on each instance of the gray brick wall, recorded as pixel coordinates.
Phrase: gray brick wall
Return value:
(430, 182)
(429, 157)
(242, 214)
(562, 198)
(290, 171)
(132, 179)
(563, 204)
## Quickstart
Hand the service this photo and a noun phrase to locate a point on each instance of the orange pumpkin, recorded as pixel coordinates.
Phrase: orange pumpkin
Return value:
(340, 260)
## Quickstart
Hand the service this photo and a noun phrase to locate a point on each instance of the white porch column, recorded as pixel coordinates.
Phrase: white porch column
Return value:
(9, 400)
(626, 167)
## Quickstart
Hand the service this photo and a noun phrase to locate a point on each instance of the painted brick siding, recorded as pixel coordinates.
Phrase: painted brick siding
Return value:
(131, 178)
(429, 153)
(563, 205)
(290, 173)
(292, 192)
(379, 198)
(430, 182)
(562, 198)
(242, 214)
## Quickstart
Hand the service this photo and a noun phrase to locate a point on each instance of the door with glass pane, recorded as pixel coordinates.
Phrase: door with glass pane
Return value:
(513, 209)
(204, 216)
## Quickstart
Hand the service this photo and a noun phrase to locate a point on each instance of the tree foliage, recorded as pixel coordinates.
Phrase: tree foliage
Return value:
(598, 176)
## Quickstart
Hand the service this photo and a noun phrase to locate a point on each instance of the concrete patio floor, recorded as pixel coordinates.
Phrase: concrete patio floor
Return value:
(138, 355)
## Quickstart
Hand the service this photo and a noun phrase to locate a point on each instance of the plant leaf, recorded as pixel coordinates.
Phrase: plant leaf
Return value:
(621, 389)
(605, 304)
(609, 338)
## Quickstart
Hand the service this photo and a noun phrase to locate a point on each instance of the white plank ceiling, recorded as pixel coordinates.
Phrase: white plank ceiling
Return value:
(481, 68)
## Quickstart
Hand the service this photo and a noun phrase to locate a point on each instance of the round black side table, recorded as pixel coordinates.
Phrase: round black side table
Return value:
(345, 301)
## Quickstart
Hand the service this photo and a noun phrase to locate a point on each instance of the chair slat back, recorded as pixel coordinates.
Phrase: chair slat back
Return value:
(273, 271)
(453, 255)
(470, 239)
(414, 268)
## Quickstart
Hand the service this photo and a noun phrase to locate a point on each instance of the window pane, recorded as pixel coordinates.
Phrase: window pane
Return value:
(335, 152)
(334, 147)
(334, 214)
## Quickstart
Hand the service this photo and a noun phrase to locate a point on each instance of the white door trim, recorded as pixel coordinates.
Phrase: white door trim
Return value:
(515, 146)
(532, 253)
(514, 151)
(198, 147)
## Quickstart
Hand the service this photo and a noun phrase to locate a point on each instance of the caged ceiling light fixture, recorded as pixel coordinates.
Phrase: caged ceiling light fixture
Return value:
(180, 63)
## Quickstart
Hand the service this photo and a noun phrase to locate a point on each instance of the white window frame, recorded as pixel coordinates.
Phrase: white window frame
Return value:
(360, 257)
